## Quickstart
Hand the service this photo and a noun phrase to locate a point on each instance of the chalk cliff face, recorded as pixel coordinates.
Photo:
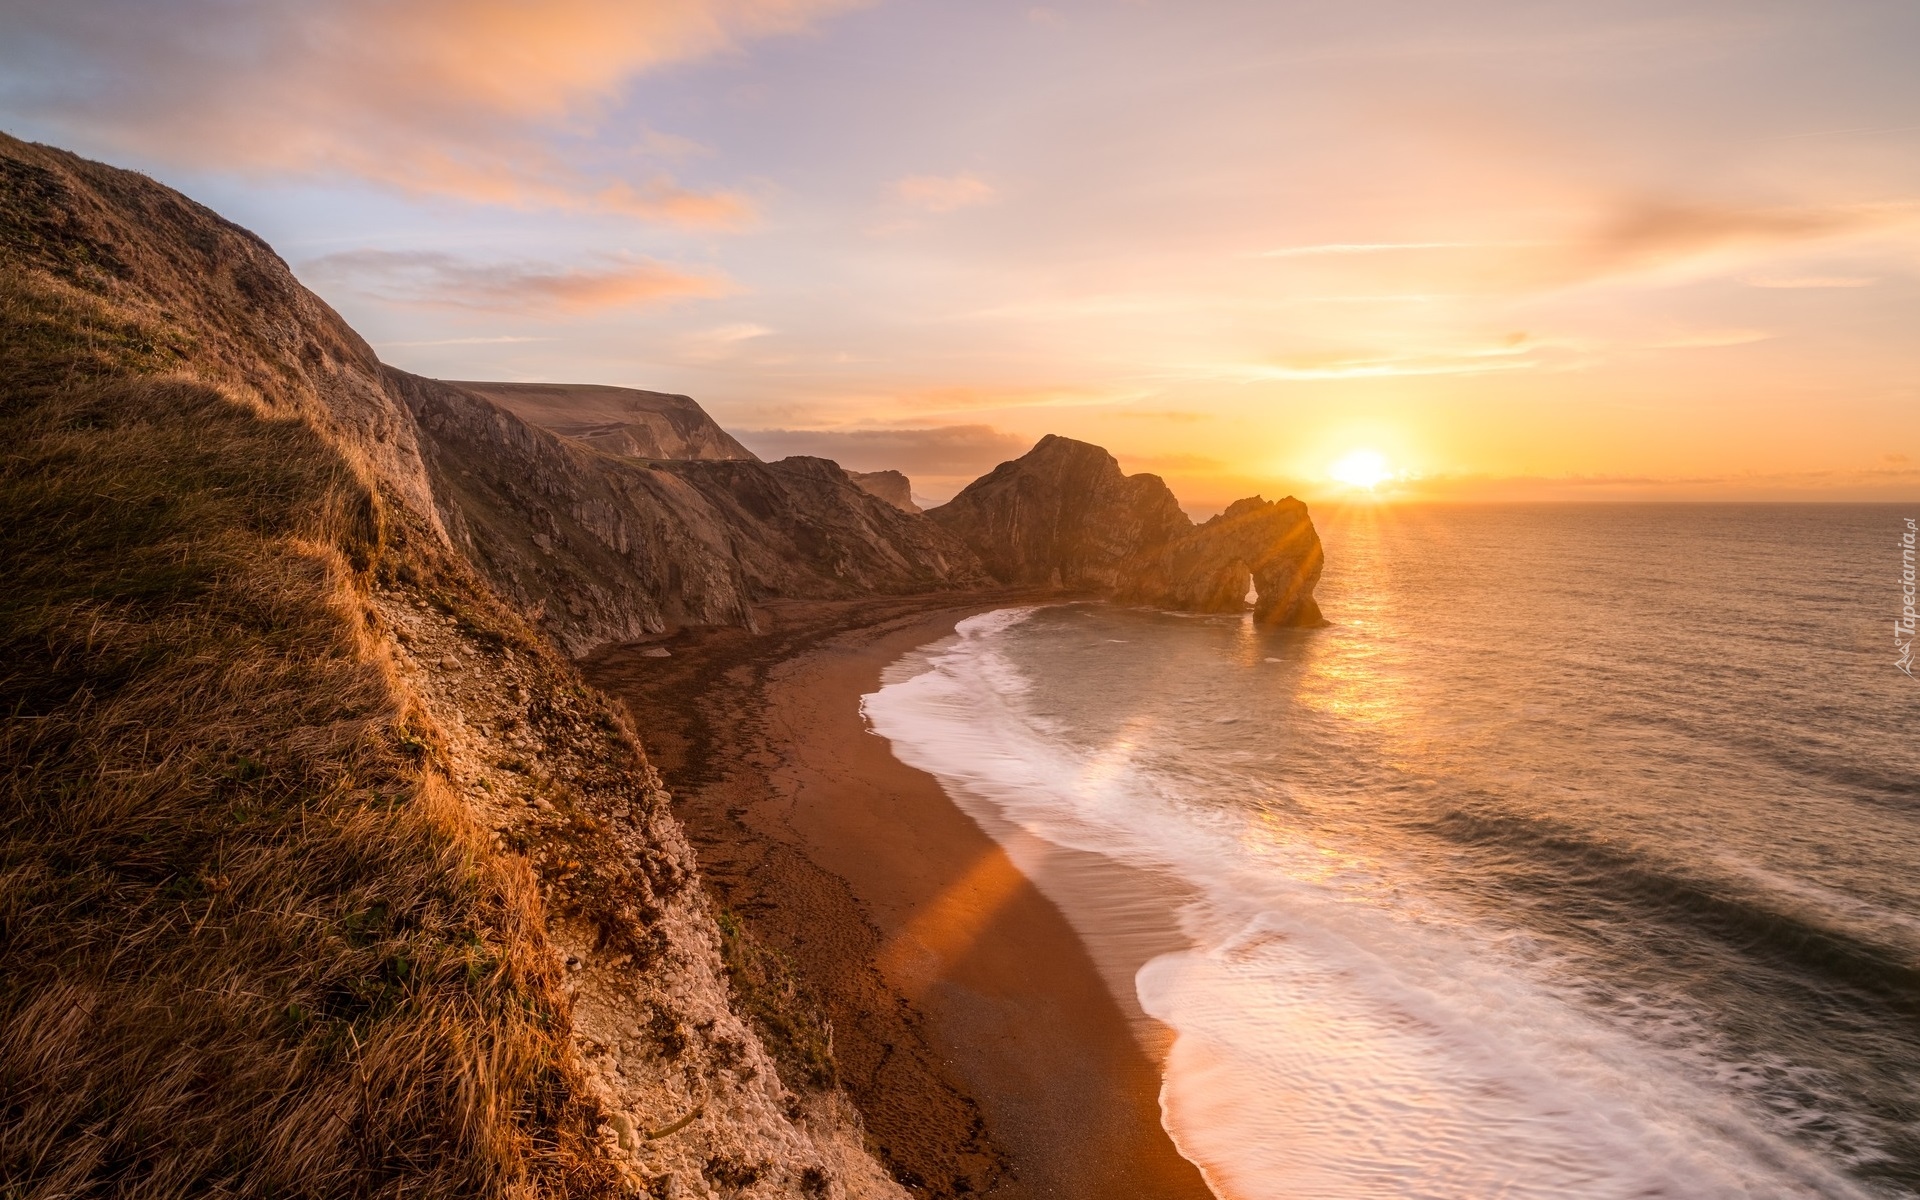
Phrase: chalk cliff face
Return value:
(1064, 515)
(617, 420)
(893, 487)
(599, 549)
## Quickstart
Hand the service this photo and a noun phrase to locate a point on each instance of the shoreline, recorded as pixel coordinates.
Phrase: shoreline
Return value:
(971, 1025)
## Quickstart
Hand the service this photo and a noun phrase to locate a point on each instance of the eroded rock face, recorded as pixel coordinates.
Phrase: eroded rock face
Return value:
(804, 530)
(616, 420)
(599, 549)
(893, 487)
(682, 1077)
(1065, 515)
(608, 549)
(1207, 570)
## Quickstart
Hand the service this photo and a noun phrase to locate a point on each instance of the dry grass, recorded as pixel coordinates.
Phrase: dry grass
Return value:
(249, 945)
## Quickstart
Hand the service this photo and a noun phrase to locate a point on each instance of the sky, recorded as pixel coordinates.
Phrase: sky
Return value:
(1586, 250)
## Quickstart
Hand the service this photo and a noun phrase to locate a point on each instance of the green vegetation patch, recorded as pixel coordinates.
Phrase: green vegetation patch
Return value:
(788, 1018)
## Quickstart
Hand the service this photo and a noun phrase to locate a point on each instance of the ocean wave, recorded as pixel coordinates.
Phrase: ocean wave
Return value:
(1339, 1032)
(1618, 884)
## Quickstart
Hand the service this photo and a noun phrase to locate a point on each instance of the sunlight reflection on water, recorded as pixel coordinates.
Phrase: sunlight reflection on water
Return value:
(1537, 873)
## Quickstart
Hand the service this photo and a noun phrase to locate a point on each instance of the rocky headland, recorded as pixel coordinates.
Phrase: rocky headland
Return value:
(1065, 516)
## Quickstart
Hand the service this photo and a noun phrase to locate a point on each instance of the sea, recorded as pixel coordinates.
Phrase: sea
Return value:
(1578, 855)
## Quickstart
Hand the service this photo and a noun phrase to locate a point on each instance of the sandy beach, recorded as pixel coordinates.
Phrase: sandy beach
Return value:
(969, 1023)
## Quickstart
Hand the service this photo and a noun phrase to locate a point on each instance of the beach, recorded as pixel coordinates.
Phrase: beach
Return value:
(969, 1024)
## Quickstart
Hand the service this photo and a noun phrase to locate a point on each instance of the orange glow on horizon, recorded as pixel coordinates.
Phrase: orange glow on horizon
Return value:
(1614, 258)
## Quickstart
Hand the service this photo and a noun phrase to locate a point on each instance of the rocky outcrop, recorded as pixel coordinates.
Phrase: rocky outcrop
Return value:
(617, 420)
(690, 1094)
(1270, 543)
(893, 487)
(1065, 515)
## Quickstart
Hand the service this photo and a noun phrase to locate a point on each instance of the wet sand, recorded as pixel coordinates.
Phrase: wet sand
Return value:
(970, 1025)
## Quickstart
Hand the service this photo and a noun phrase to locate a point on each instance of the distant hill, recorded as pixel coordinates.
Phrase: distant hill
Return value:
(617, 420)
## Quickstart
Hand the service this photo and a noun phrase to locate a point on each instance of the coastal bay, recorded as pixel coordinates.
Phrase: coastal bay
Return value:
(968, 1022)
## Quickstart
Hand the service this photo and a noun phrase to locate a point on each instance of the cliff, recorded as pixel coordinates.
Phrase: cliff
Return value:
(324, 872)
(893, 487)
(619, 421)
(609, 549)
(1065, 515)
(1062, 515)
(816, 535)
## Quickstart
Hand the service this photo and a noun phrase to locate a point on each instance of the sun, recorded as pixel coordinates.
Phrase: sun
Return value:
(1362, 469)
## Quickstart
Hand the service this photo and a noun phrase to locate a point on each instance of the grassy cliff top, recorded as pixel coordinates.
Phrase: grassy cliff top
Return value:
(249, 943)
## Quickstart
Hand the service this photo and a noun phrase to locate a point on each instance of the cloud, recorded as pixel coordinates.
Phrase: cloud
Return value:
(1516, 353)
(1325, 248)
(947, 450)
(1382, 369)
(720, 342)
(943, 193)
(1813, 281)
(488, 100)
(965, 399)
(1652, 235)
(470, 341)
(433, 279)
(733, 333)
(1637, 237)
(1710, 339)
